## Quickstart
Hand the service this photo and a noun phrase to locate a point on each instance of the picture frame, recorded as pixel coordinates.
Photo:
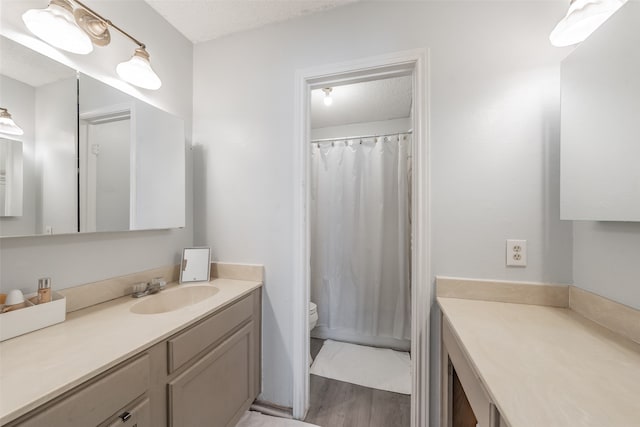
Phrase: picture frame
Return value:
(195, 265)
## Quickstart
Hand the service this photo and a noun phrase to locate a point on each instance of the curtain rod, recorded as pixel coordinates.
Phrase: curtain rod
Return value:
(358, 137)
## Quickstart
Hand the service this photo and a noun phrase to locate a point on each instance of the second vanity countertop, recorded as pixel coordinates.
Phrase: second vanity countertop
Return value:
(548, 366)
(41, 365)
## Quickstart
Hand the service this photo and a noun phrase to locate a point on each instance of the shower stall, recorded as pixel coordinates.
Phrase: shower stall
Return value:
(361, 239)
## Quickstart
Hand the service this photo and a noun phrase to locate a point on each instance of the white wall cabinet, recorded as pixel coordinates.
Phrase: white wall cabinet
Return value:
(600, 148)
(206, 374)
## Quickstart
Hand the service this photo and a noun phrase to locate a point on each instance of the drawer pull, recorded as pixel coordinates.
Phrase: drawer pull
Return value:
(125, 416)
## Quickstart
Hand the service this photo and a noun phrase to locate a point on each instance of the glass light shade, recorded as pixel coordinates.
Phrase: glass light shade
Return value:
(7, 125)
(582, 19)
(57, 26)
(328, 100)
(138, 71)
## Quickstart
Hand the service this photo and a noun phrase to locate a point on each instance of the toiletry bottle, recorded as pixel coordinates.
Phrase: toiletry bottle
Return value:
(44, 290)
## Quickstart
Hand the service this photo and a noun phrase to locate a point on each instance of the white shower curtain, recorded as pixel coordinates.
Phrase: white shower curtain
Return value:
(360, 234)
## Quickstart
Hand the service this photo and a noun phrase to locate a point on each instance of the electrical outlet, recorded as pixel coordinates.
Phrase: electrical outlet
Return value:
(517, 253)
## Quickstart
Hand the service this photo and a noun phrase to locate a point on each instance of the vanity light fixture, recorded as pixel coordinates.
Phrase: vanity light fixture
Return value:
(56, 25)
(582, 19)
(77, 29)
(138, 71)
(328, 100)
(7, 125)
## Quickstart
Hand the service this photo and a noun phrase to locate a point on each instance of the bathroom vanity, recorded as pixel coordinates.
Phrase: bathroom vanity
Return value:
(537, 355)
(110, 365)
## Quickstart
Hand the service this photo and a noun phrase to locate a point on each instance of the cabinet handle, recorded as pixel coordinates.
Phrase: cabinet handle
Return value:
(125, 416)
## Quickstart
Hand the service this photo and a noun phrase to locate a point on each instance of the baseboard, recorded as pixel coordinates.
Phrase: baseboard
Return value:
(272, 409)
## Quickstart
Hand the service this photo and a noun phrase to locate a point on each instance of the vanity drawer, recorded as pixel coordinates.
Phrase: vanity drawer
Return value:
(91, 405)
(188, 344)
(136, 415)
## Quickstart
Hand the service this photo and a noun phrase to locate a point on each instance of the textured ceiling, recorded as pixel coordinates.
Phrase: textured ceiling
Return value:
(363, 102)
(202, 20)
(24, 65)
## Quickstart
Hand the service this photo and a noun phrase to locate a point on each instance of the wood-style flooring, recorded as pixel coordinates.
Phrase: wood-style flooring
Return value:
(339, 404)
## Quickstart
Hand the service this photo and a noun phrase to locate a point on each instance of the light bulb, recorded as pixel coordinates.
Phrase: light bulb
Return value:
(56, 26)
(138, 71)
(7, 125)
(582, 19)
(328, 100)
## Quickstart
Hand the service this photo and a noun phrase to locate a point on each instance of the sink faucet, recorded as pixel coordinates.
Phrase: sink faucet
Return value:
(142, 289)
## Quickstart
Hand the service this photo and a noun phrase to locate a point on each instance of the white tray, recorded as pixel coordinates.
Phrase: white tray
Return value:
(34, 317)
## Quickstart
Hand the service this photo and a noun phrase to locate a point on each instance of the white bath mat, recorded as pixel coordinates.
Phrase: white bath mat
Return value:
(379, 368)
(256, 419)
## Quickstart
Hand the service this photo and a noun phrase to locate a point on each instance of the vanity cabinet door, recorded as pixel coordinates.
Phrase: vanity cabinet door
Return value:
(484, 411)
(217, 389)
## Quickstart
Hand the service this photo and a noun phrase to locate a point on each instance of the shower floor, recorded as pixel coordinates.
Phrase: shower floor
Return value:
(336, 403)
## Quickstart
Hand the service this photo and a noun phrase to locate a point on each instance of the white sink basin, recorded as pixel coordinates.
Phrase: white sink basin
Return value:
(174, 299)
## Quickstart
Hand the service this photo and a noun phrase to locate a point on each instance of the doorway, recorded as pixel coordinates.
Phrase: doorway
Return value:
(360, 237)
(403, 64)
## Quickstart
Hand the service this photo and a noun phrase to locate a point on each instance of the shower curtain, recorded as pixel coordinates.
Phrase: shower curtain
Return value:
(360, 235)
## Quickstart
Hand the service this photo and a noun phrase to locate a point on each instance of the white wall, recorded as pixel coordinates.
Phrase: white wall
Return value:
(494, 131)
(76, 259)
(605, 259)
(367, 128)
(19, 98)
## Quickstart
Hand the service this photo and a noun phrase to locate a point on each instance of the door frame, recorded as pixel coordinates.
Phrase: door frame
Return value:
(412, 62)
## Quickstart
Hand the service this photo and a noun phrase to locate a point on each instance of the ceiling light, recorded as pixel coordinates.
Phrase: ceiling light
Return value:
(7, 125)
(582, 19)
(56, 26)
(138, 71)
(328, 100)
(78, 30)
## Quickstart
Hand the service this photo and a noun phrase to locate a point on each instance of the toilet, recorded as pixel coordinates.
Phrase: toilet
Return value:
(313, 315)
(313, 320)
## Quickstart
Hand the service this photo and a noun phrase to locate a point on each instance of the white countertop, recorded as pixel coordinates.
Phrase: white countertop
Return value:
(40, 365)
(546, 366)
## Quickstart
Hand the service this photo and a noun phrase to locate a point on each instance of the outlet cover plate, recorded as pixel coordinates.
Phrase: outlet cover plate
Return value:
(516, 253)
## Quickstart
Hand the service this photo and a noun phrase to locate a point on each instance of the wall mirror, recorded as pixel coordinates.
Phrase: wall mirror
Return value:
(10, 178)
(196, 265)
(600, 142)
(41, 96)
(119, 133)
(93, 158)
